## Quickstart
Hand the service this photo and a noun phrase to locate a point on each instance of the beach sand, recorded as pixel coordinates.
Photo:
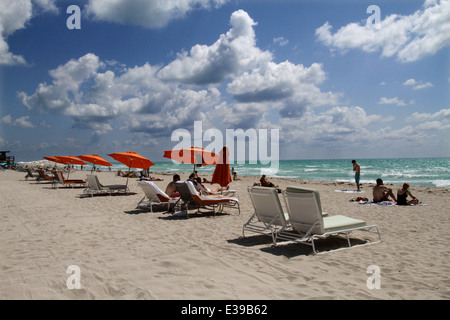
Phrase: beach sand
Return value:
(128, 253)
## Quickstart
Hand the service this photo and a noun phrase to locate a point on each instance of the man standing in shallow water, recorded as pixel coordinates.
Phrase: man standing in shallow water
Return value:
(357, 170)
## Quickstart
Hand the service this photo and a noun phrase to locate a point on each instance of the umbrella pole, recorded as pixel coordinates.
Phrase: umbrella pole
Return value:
(129, 168)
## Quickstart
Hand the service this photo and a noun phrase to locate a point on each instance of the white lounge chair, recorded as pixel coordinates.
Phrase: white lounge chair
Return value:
(268, 216)
(308, 223)
(153, 195)
(190, 196)
(95, 187)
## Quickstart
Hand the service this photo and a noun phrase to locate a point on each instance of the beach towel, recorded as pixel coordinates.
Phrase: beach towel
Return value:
(385, 203)
(381, 203)
(350, 191)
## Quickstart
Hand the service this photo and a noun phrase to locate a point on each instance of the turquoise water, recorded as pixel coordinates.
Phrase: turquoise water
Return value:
(433, 172)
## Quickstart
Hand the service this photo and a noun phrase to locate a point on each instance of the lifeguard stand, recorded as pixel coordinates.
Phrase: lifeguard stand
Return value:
(8, 160)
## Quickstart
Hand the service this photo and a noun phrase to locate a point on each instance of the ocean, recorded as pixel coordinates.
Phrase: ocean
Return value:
(433, 172)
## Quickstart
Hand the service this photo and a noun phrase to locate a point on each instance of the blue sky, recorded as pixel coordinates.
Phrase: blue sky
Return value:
(335, 84)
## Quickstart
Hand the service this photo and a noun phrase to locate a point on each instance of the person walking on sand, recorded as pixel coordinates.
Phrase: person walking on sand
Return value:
(357, 170)
(382, 193)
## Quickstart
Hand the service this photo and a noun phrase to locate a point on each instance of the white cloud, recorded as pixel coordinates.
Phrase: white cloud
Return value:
(281, 41)
(417, 85)
(47, 5)
(333, 128)
(135, 96)
(14, 15)
(150, 99)
(409, 38)
(395, 101)
(442, 115)
(439, 120)
(147, 13)
(232, 53)
(409, 82)
(21, 122)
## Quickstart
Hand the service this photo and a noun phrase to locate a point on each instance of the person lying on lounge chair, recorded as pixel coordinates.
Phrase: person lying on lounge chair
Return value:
(204, 191)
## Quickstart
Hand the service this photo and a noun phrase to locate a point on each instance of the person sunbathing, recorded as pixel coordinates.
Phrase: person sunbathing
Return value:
(205, 191)
(171, 189)
(403, 193)
(381, 193)
(266, 183)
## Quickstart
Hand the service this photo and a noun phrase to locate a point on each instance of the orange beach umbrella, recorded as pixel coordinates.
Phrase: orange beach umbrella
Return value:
(70, 160)
(132, 160)
(95, 159)
(193, 155)
(55, 160)
(222, 174)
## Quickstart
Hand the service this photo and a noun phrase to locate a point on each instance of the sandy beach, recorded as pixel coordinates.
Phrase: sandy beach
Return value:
(127, 253)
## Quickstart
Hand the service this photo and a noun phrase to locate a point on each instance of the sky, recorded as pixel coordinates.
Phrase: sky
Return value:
(331, 79)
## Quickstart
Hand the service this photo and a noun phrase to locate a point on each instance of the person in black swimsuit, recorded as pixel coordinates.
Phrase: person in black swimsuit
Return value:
(403, 193)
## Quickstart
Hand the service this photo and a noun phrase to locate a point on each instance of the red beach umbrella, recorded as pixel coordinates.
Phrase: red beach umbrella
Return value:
(222, 174)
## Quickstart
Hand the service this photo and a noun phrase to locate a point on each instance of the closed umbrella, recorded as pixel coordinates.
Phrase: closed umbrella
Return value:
(221, 173)
(132, 160)
(95, 159)
(193, 155)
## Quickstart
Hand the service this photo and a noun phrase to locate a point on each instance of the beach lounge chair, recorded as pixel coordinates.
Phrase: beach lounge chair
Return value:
(67, 182)
(31, 174)
(45, 177)
(223, 192)
(306, 222)
(268, 216)
(153, 195)
(95, 187)
(190, 196)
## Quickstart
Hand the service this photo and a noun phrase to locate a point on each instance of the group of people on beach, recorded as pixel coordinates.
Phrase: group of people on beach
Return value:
(199, 185)
(382, 193)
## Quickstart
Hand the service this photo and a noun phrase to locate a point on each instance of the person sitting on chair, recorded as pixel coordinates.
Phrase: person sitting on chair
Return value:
(171, 189)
